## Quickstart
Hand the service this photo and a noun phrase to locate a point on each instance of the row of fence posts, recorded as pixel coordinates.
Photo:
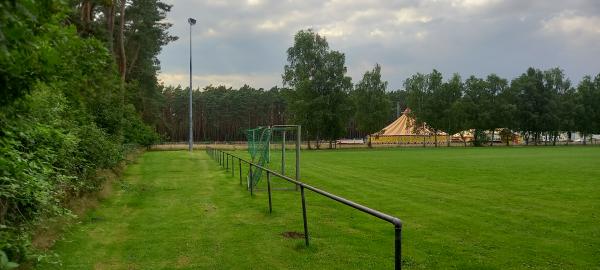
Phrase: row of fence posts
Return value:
(223, 158)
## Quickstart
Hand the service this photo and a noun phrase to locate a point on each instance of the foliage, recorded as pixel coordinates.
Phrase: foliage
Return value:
(317, 75)
(63, 114)
(371, 103)
(587, 119)
(398, 99)
(5, 264)
(22, 60)
(537, 103)
(219, 112)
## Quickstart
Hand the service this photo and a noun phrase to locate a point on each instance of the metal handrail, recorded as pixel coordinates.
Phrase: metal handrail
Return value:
(222, 156)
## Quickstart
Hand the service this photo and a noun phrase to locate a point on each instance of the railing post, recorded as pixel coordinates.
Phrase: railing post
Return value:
(298, 148)
(304, 215)
(283, 153)
(232, 166)
(269, 190)
(250, 179)
(227, 157)
(398, 247)
(240, 169)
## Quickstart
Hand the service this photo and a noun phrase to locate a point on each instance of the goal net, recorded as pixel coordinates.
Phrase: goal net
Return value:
(276, 148)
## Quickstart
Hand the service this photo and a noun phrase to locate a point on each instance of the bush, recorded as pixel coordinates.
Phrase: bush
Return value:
(137, 132)
(62, 118)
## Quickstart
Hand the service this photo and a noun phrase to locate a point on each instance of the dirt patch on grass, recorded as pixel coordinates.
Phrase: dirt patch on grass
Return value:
(183, 262)
(292, 235)
(210, 208)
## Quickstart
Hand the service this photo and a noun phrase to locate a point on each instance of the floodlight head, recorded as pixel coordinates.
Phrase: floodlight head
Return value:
(192, 21)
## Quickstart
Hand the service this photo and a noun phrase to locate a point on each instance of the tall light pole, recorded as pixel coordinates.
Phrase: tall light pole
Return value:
(191, 21)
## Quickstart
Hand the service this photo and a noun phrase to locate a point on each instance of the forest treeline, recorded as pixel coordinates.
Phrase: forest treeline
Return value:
(317, 93)
(77, 86)
(223, 113)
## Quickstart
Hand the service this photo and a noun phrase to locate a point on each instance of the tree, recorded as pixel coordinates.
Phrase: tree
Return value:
(319, 100)
(507, 111)
(477, 104)
(588, 112)
(536, 104)
(425, 105)
(122, 57)
(371, 102)
(451, 119)
(495, 87)
(398, 99)
(434, 114)
(557, 89)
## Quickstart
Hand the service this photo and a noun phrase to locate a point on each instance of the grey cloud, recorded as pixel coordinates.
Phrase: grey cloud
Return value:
(238, 39)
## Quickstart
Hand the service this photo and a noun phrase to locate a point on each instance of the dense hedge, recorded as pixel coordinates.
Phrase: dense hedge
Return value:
(63, 116)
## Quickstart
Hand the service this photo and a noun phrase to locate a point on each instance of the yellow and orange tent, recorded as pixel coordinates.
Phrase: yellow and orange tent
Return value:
(405, 130)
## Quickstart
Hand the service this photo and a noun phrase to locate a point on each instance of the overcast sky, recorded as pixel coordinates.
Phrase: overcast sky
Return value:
(245, 41)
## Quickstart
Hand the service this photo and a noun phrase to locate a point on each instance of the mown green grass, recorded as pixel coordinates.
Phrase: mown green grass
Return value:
(463, 208)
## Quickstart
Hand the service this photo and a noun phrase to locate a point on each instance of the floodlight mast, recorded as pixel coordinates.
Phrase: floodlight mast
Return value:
(191, 21)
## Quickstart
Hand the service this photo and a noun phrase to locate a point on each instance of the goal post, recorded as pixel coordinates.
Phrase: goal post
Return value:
(275, 147)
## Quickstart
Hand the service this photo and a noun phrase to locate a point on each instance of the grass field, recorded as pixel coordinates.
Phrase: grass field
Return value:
(463, 208)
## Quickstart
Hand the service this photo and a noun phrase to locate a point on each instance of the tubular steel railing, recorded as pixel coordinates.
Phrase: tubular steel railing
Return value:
(223, 158)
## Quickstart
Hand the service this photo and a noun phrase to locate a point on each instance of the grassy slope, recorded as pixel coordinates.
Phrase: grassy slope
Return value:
(463, 208)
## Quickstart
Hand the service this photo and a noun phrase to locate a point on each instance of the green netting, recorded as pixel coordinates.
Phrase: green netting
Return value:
(282, 147)
(274, 148)
(258, 147)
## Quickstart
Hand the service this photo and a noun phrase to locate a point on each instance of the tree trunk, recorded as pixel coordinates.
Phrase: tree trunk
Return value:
(435, 138)
(369, 142)
(109, 13)
(122, 57)
(86, 15)
(133, 59)
(448, 139)
(462, 137)
(492, 140)
(318, 143)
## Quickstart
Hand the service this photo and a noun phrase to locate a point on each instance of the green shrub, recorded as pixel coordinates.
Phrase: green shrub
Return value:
(62, 117)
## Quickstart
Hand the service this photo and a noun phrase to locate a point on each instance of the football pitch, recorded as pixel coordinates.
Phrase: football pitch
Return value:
(462, 208)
